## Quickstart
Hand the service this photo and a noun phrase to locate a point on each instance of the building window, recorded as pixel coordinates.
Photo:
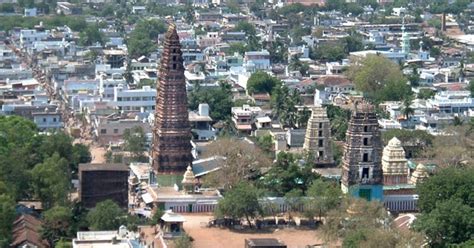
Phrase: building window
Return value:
(103, 131)
(365, 157)
(366, 128)
(54, 119)
(320, 125)
(115, 130)
(174, 66)
(321, 154)
(44, 119)
(320, 143)
(365, 172)
(366, 141)
(320, 133)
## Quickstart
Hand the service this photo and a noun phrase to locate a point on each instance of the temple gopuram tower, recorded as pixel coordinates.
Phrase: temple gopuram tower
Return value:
(394, 163)
(361, 166)
(171, 151)
(317, 139)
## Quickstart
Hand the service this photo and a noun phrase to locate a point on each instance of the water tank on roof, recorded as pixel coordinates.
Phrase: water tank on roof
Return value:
(203, 109)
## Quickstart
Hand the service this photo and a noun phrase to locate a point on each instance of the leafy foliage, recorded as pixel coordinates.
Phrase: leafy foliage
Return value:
(7, 216)
(240, 202)
(56, 224)
(142, 40)
(135, 142)
(261, 82)
(106, 215)
(447, 207)
(286, 175)
(339, 119)
(91, 35)
(51, 181)
(219, 100)
(379, 78)
(322, 197)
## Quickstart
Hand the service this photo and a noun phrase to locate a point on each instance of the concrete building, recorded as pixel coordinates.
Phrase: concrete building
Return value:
(100, 182)
(201, 123)
(137, 100)
(48, 119)
(261, 59)
(244, 117)
(122, 238)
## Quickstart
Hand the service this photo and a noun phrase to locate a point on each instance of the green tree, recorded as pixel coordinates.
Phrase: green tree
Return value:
(339, 119)
(426, 94)
(183, 242)
(7, 216)
(51, 181)
(407, 110)
(261, 82)
(323, 196)
(135, 142)
(293, 200)
(80, 154)
(379, 78)
(446, 207)
(246, 27)
(240, 202)
(265, 142)
(142, 40)
(63, 244)
(286, 175)
(106, 215)
(91, 35)
(219, 100)
(56, 224)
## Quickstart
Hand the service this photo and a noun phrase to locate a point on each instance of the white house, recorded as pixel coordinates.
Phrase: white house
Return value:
(135, 100)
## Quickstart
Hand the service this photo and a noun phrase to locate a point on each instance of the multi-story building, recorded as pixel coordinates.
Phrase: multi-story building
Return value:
(137, 100)
(201, 123)
(261, 59)
(48, 119)
(361, 167)
(244, 117)
(452, 102)
(100, 182)
(115, 58)
(28, 36)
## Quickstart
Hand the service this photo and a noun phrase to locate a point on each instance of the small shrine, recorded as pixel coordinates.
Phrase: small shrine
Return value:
(188, 181)
(171, 224)
(394, 163)
(420, 174)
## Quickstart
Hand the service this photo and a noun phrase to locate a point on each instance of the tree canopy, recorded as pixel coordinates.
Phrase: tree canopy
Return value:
(219, 100)
(446, 203)
(106, 215)
(142, 40)
(240, 202)
(379, 78)
(261, 82)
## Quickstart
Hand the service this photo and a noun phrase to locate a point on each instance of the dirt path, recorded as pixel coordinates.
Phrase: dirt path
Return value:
(217, 237)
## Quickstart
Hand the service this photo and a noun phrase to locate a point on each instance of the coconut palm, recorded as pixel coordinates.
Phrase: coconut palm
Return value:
(407, 110)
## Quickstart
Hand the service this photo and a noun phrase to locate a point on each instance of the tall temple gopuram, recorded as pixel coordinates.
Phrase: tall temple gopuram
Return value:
(361, 166)
(318, 137)
(171, 151)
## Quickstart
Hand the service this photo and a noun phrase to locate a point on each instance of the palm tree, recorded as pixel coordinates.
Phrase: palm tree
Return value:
(407, 110)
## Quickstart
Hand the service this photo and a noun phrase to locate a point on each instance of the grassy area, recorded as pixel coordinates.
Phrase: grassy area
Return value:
(169, 180)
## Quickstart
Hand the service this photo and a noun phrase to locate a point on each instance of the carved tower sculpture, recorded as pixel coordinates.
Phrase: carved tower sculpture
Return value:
(171, 150)
(318, 137)
(361, 170)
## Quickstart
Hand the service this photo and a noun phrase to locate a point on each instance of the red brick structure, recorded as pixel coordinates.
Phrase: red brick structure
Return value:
(171, 150)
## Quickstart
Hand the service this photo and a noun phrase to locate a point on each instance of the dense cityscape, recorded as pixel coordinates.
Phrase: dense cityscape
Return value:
(236, 123)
